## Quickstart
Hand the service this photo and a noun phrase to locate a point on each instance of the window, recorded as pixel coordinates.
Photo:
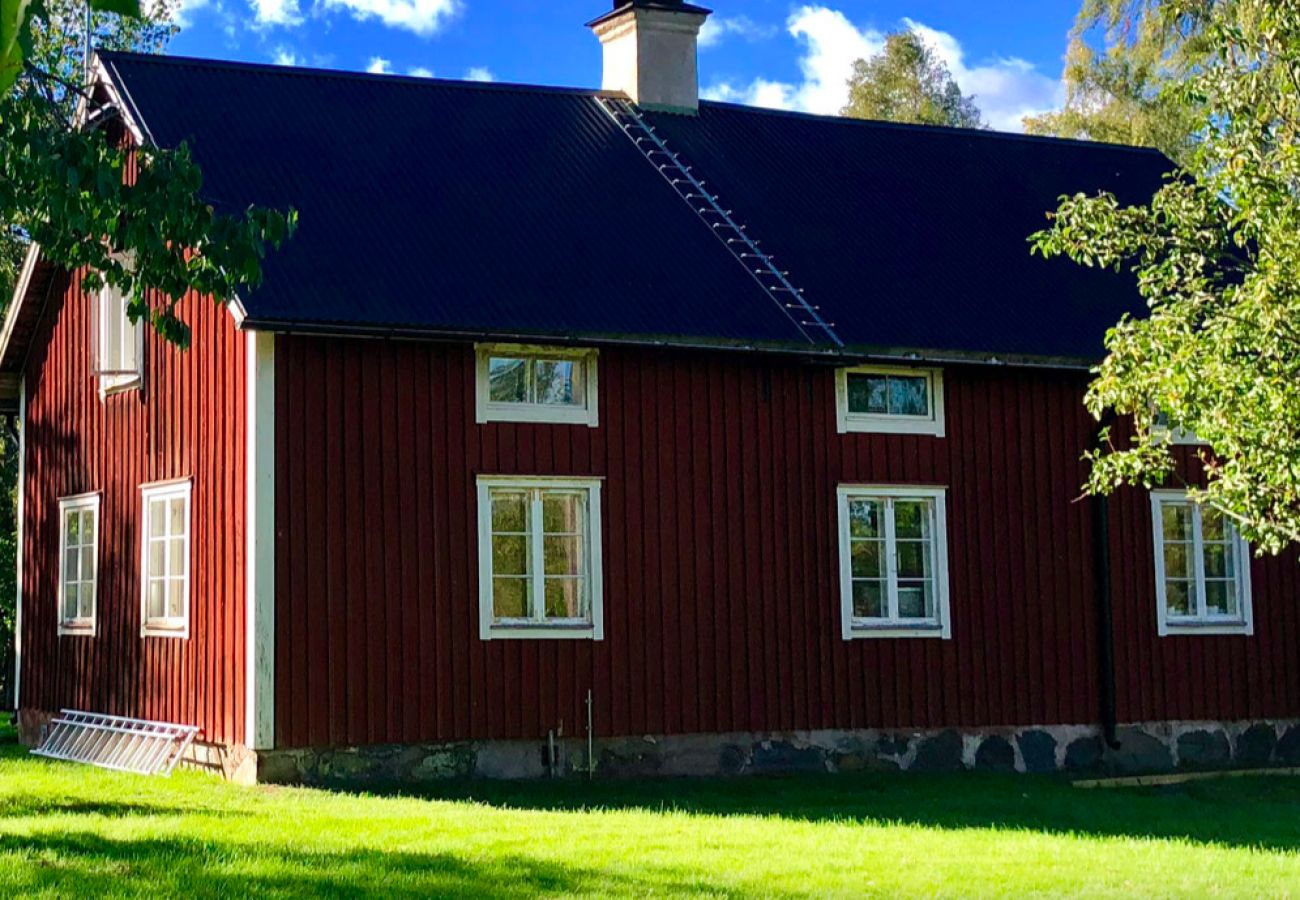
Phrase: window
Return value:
(890, 399)
(539, 558)
(1161, 430)
(121, 343)
(78, 563)
(1202, 569)
(893, 562)
(165, 581)
(536, 384)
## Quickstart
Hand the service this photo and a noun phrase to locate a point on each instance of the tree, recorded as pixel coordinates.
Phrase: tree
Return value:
(1217, 260)
(1116, 94)
(907, 82)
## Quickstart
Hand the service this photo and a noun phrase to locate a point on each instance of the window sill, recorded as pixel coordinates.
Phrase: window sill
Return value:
(108, 388)
(1206, 628)
(77, 629)
(494, 412)
(868, 424)
(165, 631)
(540, 632)
(856, 632)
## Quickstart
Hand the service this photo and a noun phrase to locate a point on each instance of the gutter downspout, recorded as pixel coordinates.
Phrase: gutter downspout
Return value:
(1105, 608)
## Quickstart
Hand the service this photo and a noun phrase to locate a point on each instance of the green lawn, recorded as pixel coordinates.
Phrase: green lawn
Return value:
(76, 831)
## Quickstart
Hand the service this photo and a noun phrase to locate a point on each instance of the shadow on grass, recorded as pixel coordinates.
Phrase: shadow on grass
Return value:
(24, 805)
(88, 864)
(1260, 811)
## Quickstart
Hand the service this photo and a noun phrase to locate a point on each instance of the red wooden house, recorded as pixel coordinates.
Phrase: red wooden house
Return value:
(707, 438)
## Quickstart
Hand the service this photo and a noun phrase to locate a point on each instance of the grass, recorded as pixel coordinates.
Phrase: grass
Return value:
(76, 831)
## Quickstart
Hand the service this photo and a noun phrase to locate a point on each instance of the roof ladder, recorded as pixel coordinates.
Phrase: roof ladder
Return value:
(116, 742)
(734, 236)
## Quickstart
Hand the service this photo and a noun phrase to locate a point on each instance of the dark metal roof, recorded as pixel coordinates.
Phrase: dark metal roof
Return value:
(442, 207)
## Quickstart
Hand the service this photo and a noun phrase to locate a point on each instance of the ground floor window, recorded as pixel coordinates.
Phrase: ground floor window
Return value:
(78, 563)
(539, 558)
(1202, 569)
(893, 562)
(165, 576)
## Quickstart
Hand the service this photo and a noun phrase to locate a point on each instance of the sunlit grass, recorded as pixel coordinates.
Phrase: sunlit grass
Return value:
(76, 831)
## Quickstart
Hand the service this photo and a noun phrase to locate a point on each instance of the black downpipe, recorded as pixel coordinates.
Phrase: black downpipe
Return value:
(1105, 609)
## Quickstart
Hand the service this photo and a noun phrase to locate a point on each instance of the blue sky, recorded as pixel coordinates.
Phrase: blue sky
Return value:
(766, 52)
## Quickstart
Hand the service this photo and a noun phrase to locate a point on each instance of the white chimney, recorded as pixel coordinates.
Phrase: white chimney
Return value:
(650, 52)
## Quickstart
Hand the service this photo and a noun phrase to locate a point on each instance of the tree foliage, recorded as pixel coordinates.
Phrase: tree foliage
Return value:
(1114, 92)
(1218, 262)
(907, 82)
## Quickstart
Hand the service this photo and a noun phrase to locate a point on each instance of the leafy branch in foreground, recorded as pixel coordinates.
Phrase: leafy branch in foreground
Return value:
(1218, 263)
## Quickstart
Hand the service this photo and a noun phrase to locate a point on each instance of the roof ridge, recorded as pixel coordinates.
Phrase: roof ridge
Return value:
(201, 62)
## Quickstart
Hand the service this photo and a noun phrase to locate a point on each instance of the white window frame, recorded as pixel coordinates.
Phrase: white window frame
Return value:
(114, 381)
(84, 626)
(1200, 623)
(1174, 436)
(491, 630)
(488, 411)
(165, 626)
(938, 627)
(885, 423)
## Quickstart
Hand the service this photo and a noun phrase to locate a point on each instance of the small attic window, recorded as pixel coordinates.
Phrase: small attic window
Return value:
(121, 343)
(516, 383)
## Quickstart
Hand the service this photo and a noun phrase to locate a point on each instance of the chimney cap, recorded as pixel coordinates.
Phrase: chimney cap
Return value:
(622, 6)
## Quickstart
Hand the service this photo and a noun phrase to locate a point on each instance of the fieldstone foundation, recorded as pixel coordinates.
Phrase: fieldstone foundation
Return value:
(1081, 750)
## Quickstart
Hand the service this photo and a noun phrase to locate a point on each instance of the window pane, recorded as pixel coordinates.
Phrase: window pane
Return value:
(868, 393)
(509, 555)
(1178, 562)
(70, 601)
(561, 513)
(864, 518)
(87, 601)
(71, 567)
(913, 559)
(908, 396)
(565, 598)
(866, 559)
(510, 598)
(558, 381)
(176, 554)
(1220, 599)
(914, 600)
(912, 519)
(509, 511)
(87, 527)
(563, 555)
(1212, 525)
(156, 559)
(507, 380)
(178, 516)
(157, 517)
(1178, 598)
(154, 608)
(71, 525)
(87, 564)
(867, 602)
(110, 312)
(1176, 521)
(1216, 561)
(176, 597)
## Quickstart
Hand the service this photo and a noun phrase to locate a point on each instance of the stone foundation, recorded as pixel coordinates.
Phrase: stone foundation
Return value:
(1080, 750)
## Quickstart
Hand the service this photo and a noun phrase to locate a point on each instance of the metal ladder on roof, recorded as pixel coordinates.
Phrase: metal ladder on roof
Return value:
(734, 236)
(116, 742)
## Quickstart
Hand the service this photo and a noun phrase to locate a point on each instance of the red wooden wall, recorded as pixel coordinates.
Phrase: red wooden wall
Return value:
(187, 421)
(721, 604)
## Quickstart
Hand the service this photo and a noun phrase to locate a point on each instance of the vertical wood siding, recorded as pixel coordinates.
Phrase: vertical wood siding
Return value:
(187, 421)
(721, 570)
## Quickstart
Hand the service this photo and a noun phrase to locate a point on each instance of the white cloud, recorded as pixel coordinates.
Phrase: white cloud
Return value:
(276, 12)
(286, 57)
(716, 28)
(479, 73)
(423, 17)
(182, 13)
(1006, 89)
(420, 72)
(379, 66)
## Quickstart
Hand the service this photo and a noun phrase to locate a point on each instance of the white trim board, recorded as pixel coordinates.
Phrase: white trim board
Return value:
(21, 548)
(259, 530)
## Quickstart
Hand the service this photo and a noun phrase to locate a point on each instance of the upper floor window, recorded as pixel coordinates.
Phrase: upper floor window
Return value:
(536, 384)
(121, 343)
(890, 399)
(539, 558)
(1202, 569)
(1162, 430)
(78, 563)
(893, 562)
(165, 579)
